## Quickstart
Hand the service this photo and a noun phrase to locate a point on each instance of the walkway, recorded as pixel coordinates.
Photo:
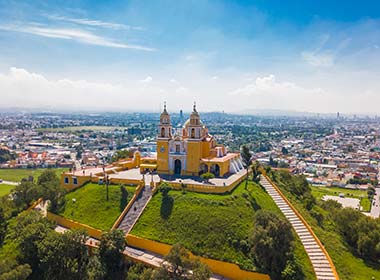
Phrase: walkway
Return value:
(318, 258)
(375, 207)
(136, 209)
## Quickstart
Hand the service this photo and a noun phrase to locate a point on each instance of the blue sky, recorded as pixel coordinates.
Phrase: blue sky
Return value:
(315, 56)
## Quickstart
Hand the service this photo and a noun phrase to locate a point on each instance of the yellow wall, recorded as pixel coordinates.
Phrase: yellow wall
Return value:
(193, 160)
(93, 232)
(162, 158)
(229, 270)
(206, 149)
(70, 186)
(204, 188)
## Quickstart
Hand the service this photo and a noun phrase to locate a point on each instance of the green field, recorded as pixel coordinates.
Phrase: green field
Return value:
(5, 189)
(319, 192)
(211, 225)
(15, 175)
(81, 128)
(348, 266)
(91, 208)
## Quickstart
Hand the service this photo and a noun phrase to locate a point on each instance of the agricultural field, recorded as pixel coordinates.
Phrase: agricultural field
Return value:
(88, 204)
(5, 189)
(16, 175)
(211, 225)
(319, 192)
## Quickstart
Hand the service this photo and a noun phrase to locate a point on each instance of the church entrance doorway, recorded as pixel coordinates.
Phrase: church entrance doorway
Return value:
(177, 167)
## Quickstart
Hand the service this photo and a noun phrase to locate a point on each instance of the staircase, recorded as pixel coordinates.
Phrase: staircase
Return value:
(136, 210)
(323, 268)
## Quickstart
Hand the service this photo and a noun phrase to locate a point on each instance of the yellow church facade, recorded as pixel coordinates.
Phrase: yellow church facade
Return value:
(191, 150)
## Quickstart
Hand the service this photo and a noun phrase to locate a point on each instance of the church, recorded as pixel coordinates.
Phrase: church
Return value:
(191, 150)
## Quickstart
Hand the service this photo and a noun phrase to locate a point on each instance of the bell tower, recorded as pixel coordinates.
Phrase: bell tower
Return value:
(163, 137)
(194, 142)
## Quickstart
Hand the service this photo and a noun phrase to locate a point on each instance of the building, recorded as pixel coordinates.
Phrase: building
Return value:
(191, 150)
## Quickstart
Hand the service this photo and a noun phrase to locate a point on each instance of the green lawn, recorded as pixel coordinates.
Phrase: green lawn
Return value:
(319, 192)
(5, 189)
(348, 266)
(91, 207)
(15, 175)
(210, 225)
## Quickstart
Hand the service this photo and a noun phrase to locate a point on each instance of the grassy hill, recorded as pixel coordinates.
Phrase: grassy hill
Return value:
(88, 205)
(349, 266)
(211, 225)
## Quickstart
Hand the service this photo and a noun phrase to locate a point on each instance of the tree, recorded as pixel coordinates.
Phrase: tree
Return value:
(111, 247)
(256, 171)
(64, 256)
(28, 229)
(3, 225)
(51, 189)
(284, 151)
(179, 265)
(272, 241)
(6, 155)
(246, 156)
(24, 193)
(207, 176)
(10, 269)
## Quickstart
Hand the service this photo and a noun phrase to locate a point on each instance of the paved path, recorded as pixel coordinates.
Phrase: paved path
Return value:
(10, 183)
(319, 261)
(136, 209)
(375, 207)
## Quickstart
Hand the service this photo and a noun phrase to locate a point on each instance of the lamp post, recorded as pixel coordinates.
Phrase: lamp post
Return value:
(107, 183)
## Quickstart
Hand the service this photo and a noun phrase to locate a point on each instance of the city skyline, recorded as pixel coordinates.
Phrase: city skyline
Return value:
(236, 57)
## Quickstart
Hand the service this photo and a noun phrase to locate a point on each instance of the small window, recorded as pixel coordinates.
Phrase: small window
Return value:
(66, 180)
(177, 148)
(75, 181)
(163, 132)
(192, 133)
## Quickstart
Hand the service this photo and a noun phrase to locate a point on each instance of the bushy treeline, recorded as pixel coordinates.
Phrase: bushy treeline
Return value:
(362, 233)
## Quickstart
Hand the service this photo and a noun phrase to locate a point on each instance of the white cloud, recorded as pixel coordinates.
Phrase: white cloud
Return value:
(269, 84)
(147, 80)
(96, 23)
(79, 35)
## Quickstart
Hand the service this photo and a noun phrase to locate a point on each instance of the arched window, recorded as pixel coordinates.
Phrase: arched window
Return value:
(193, 133)
(162, 132)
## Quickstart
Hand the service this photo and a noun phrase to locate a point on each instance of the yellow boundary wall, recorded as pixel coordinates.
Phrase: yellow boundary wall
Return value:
(67, 223)
(307, 226)
(208, 188)
(129, 205)
(225, 269)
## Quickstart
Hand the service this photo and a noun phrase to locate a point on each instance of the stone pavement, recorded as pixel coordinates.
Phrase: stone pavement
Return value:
(319, 261)
(136, 210)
